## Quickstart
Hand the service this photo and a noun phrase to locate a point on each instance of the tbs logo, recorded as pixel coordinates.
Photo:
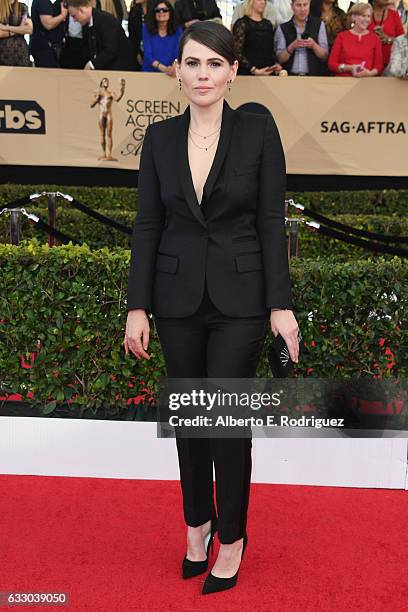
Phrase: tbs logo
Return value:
(21, 117)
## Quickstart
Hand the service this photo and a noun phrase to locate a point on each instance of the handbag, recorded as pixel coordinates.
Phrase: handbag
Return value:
(398, 66)
(279, 358)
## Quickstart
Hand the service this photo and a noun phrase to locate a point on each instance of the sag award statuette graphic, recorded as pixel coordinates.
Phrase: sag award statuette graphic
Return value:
(104, 98)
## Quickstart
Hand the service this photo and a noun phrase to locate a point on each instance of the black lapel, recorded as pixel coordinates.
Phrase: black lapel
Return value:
(183, 163)
(228, 116)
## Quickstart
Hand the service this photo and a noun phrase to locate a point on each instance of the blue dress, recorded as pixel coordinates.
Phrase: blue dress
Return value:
(161, 48)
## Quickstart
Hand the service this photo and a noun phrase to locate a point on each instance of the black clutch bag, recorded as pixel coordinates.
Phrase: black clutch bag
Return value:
(279, 359)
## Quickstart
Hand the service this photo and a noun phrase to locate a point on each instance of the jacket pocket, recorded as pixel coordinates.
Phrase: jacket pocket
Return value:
(243, 238)
(166, 263)
(249, 262)
(246, 169)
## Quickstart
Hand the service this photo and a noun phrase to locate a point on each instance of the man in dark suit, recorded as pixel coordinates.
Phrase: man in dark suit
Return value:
(107, 44)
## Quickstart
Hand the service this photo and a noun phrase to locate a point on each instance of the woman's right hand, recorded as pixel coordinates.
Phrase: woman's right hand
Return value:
(356, 69)
(137, 333)
(296, 44)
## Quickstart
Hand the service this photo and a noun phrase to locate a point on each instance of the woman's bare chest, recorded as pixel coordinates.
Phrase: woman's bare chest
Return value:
(200, 161)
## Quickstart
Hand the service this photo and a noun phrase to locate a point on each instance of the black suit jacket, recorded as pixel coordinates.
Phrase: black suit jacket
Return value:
(186, 10)
(107, 43)
(235, 241)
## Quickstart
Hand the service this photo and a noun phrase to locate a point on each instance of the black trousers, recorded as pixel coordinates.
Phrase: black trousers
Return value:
(209, 344)
(74, 54)
(44, 57)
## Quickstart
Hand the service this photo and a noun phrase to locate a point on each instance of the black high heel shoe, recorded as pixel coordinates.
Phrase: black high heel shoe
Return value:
(195, 568)
(213, 584)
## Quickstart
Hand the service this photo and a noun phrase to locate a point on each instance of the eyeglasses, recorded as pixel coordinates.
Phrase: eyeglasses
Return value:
(161, 10)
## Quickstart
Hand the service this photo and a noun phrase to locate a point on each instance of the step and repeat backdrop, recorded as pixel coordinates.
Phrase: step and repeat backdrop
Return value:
(98, 118)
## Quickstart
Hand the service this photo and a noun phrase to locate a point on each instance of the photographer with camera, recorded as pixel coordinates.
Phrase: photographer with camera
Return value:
(301, 44)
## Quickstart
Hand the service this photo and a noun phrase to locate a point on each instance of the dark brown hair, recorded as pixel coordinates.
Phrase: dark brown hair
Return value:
(151, 22)
(212, 35)
(79, 3)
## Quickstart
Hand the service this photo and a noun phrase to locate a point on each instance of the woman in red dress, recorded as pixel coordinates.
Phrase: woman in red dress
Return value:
(386, 23)
(357, 52)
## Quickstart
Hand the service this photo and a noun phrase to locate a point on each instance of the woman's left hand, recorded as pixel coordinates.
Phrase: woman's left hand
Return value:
(283, 322)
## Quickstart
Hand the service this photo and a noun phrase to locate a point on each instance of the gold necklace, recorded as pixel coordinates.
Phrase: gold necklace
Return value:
(208, 135)
(202, 148)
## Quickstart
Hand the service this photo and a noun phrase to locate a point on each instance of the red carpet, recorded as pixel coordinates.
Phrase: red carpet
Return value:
(117, 545)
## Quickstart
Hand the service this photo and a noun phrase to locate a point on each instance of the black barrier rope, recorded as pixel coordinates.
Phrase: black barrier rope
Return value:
(96, 215)
(326, 231)
(19, 202)
(349, 230)
(44, 227)
(370, 246)
(76, 204)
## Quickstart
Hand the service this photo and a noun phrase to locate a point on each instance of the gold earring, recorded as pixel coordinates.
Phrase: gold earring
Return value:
(180, 83)
(229, 85)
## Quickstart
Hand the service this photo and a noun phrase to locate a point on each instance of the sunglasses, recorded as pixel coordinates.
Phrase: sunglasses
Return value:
(161, 10)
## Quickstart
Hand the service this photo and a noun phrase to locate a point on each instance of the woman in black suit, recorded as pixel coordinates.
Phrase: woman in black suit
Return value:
(209, 260)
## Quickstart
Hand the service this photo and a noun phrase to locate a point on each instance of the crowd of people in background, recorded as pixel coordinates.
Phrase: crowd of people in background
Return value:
(272, 37)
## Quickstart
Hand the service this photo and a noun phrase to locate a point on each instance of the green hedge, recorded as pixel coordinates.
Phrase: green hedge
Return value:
(76, 225)
(386, 201)
(312, 243)
(83, 228)
(73, 301)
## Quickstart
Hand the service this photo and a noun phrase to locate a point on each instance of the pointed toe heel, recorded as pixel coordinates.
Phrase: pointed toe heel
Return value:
(214, 584)
(195, 568)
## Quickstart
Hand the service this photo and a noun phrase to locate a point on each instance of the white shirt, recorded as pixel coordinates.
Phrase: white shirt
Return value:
(74, 28)
(276, 11)
(283, 10)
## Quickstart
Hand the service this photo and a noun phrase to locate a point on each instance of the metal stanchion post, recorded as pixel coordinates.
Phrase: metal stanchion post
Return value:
(15, 226)
(52, 215)
(293, 238)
